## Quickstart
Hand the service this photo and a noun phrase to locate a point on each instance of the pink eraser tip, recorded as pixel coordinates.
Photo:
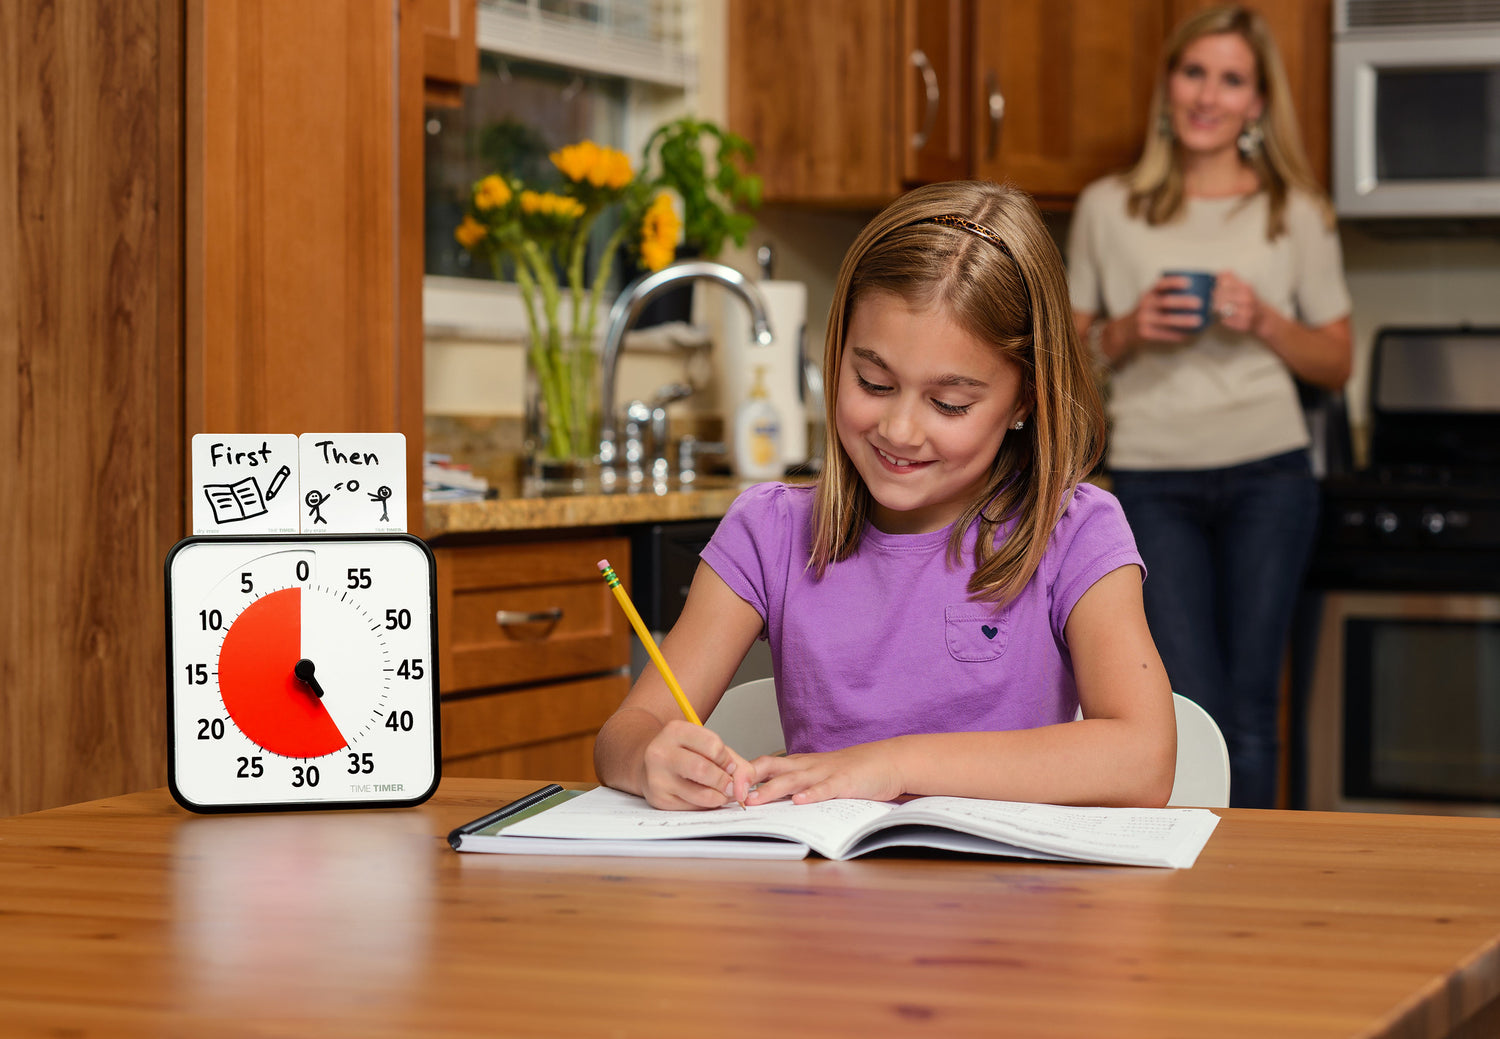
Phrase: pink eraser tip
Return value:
(604, 564)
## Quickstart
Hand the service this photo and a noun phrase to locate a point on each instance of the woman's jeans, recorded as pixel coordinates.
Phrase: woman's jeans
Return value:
(1225, 553)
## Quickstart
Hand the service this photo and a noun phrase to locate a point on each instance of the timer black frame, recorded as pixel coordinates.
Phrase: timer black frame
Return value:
(304, 671)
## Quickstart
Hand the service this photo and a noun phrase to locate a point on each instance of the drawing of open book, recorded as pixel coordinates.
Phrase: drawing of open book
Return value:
(242, 499)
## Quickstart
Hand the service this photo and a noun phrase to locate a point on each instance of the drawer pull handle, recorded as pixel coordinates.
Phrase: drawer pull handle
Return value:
(506, 617)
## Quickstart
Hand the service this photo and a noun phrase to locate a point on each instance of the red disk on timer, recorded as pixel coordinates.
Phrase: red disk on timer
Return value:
(262, 691)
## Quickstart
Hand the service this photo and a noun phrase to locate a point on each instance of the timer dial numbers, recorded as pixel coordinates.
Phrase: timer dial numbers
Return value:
(302, 674)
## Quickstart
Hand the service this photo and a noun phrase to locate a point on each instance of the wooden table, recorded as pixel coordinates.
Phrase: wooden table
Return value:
(128, 916)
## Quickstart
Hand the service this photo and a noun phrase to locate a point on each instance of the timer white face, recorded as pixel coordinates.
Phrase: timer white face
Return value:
(303, 672)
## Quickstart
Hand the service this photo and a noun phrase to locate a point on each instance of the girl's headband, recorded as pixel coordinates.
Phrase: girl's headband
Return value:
(964, 224)
(979, 231)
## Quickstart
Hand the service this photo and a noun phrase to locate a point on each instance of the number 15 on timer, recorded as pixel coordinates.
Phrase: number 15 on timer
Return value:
(303, 672)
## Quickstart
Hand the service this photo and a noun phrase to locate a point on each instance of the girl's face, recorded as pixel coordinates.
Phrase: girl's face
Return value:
(1213, 93)
(922, 408)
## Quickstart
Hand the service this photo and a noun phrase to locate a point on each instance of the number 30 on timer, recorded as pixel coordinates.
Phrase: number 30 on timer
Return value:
(303, 672)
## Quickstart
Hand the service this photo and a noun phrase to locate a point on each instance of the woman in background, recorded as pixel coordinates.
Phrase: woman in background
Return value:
(1208, 445)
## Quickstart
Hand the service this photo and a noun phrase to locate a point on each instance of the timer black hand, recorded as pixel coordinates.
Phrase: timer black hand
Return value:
(304, 669)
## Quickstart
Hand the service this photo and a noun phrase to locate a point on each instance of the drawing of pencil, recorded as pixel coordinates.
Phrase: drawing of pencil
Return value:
(277, 481)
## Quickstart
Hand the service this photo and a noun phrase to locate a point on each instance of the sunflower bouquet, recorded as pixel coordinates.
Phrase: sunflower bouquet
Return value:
(543, 237)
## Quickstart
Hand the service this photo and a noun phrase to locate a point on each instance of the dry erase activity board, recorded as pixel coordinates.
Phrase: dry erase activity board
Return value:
(316, 483)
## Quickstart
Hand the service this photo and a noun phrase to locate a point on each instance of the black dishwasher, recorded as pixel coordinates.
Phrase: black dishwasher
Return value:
(663, 560)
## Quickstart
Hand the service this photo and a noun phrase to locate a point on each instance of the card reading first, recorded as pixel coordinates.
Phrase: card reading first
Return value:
(245, 483)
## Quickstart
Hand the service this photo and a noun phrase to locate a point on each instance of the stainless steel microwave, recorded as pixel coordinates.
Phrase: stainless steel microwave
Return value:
(1416, 108)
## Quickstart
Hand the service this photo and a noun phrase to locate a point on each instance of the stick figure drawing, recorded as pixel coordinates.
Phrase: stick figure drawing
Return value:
(384, 497)
(314, 501)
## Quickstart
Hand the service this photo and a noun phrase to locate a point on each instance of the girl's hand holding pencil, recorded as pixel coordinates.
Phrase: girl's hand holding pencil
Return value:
(690, 767)
(686, 766)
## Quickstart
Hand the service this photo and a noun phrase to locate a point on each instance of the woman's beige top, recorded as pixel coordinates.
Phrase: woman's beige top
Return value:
(1222, 397)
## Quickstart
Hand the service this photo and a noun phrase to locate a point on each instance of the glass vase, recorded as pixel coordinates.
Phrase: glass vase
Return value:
(562, 410)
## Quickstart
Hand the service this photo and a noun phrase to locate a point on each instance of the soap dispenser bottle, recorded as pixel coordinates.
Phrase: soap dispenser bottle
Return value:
(757, 434)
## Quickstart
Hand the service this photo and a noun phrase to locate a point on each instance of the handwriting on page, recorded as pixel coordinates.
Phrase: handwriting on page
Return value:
(1102, 829)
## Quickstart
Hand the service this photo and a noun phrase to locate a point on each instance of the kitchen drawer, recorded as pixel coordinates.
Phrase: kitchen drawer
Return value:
(578, 628)
(544, 732)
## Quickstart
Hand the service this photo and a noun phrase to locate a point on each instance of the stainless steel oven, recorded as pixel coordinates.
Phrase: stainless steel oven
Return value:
(1405, 707)
(1403, 704)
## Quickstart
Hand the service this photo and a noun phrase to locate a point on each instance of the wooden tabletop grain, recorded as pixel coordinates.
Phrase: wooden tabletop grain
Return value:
(131, 917)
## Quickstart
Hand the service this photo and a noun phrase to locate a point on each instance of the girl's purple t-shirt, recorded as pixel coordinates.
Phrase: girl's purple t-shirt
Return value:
(889, 642)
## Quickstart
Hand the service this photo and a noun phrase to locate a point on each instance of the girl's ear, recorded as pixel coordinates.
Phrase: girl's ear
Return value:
(1024, 409)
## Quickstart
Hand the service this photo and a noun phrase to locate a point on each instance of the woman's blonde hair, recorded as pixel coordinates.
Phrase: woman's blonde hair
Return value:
(980, 252)
(1280, 163)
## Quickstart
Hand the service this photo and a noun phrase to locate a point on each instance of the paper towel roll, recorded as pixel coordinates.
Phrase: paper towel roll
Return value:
(786, 309)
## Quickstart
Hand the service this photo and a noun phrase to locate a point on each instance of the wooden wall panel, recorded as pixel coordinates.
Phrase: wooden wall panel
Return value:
(304, 242)
(90, 392)
(292, 236)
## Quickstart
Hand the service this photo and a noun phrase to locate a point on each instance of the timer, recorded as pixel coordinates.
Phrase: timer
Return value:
(303, 672)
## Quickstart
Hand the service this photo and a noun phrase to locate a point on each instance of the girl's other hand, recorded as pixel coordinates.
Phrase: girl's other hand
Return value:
(866, 771)
(1235, 303)
(688, 767)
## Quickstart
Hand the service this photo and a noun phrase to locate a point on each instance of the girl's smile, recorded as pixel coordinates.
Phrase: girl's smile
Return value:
(922, 409)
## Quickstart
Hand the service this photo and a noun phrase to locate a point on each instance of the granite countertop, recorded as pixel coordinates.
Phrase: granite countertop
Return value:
(524, 508)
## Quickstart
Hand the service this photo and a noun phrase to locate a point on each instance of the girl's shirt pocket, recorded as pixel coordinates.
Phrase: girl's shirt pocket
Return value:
(975, 632)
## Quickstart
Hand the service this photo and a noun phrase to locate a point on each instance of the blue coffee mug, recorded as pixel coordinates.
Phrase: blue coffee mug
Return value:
(1201, 285)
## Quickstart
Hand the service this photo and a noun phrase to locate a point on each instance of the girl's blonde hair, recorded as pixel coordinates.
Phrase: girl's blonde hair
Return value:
(1280, 163)
(980, 252)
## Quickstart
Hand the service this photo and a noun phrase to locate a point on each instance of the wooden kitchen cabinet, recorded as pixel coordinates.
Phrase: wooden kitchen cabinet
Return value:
(850, 102)
(450, 49)
(1065, 90)
(534, 655)
(1054, 93)
(1304, 35)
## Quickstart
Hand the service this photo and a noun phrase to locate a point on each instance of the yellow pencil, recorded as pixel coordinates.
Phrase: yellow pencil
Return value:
(646, 640)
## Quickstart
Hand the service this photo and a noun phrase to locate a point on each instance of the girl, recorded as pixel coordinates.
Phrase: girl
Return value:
(945, 598)
(1208, 450)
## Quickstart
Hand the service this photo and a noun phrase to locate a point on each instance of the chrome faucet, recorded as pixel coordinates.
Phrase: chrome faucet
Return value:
(628, 307)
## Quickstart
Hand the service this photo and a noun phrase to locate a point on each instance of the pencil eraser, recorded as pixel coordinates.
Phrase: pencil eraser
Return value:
(603, 564)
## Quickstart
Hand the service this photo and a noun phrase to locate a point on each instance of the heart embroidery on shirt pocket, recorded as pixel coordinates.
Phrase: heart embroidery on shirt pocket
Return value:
(976, 632)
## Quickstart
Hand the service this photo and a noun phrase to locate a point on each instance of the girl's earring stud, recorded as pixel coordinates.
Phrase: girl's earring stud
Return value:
(1020, 424)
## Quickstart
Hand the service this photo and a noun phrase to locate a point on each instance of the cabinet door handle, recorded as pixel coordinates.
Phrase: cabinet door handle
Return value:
(506, 617)
(934, 95)
(997, 112)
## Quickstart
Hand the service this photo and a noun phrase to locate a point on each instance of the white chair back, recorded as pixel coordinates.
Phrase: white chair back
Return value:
(747, 719)
(1202, 759)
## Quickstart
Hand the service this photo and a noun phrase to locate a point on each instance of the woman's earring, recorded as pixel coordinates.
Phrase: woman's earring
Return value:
(1020, 424)
(1250, 139)
(1164, 124)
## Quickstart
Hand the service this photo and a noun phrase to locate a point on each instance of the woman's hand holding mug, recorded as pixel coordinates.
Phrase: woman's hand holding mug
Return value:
(1235, 304)
(1173, 309)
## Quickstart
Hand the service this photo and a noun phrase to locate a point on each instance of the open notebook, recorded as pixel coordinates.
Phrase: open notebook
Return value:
(603, 821)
